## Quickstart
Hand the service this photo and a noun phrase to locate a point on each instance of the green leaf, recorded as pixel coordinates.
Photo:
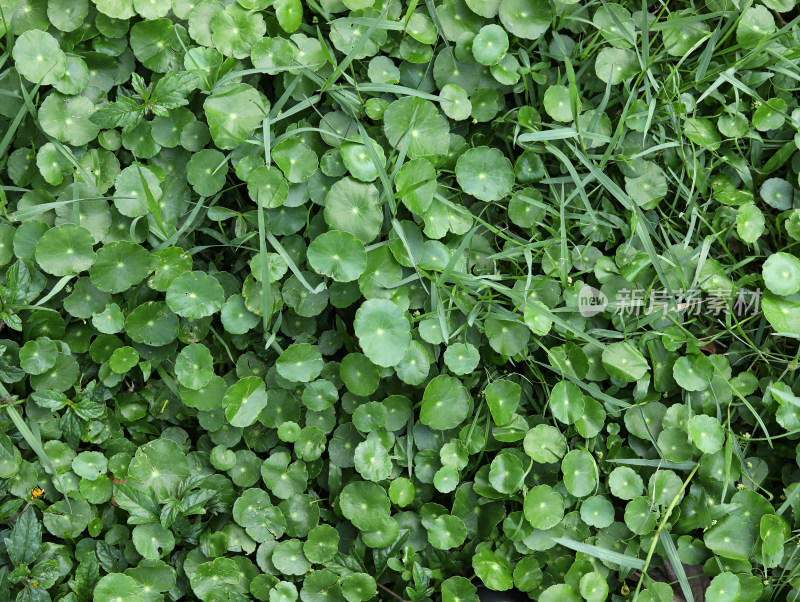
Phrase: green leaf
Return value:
(493, 570)
(152, 541)
(506, 473)
(90, 465)
(490, 45)
(702, 132)
(527, 19)
(195, 295)
(485, 173)
(729, 538)
(233, 111)
(781, 273)
(125, 113)
(68, 119)
(625, 483)
(503, 397)
(383, 331)
(624, 362)
(543, 507)
(194, 366)
(297, 160)
(38, 57)
(615, 65)
(339, 255)
(119, 266)
(38, 356)
(159, 465)
(22, 546)
(418, 124)
(372, 460)
(364, 504)
(707, 433)
(267, 187)
(445, 403)
(566, 402)
(353, 207)
(300, 363)
(114, 586)
(447, 532)
(322, 544)
(773, 531)
(65, 250)
(545, 444)
(289, 13)
(725, 587)
(152, 323)
(244, 401)
(580, 473)
(755, 24)
(206, 172)
(135, 187)
(215, 578)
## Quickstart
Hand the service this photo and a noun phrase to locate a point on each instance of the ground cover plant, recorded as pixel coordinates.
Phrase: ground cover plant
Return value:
(348, 300)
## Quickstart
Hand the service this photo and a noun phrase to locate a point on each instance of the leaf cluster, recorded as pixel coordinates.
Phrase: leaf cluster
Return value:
(344, 300)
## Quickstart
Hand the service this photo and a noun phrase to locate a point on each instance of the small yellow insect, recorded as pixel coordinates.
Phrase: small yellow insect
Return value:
(36, 493)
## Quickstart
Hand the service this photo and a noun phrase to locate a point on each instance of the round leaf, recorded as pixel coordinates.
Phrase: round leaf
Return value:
(65, 249)
(38, 57)
(300, 363)
(485, 173)
(445, 403)
(339, 255)
(195, 295)
(383, 331)
(447, 532)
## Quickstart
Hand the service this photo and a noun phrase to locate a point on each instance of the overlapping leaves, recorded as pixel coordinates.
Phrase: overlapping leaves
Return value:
(326, 301)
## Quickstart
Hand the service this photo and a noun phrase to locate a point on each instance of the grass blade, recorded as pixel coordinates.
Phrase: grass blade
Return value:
(602, 554)
(677, 565)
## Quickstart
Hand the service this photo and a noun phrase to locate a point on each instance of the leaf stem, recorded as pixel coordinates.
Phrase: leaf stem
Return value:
(388, 591)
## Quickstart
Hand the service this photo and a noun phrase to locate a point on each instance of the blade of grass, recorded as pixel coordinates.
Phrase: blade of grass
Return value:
(602, 554)
(266, 283)
(290, 262)
(57, 288)
(666, 464)
(677, 565)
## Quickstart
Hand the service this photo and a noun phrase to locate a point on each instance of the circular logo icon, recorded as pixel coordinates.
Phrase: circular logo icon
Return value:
(591, 301)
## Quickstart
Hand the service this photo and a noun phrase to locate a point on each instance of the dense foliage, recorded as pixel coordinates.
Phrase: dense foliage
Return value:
(352, 299)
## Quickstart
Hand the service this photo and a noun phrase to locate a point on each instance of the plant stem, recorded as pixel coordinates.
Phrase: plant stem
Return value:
(388, 591)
